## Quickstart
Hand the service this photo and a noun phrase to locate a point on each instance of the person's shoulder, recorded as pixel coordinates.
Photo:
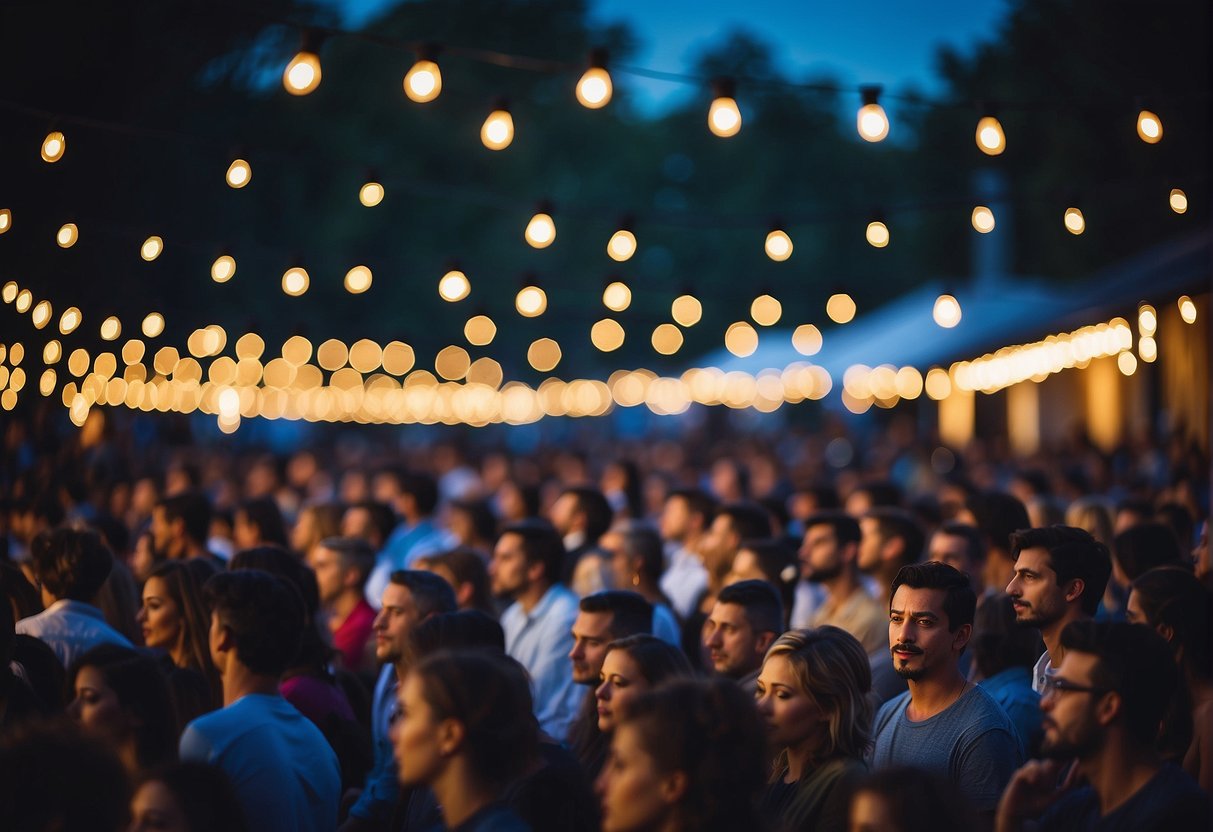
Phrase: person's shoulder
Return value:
(889, 710)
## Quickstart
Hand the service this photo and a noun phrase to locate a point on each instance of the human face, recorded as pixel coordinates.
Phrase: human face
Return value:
(620, 683)
(416, 736)
(792, 718)
(675, 520)
(303, 532)
(733, 646)
(820, 558)
(508, 568)
(155, 809)
(96, 707)
(718, 544)
(356, 522)
(621, 566)
(952, 550)
(636, 795)
(1070, 722)
(745, 568)
(163, 535)
(330, 573)
(244, 532)
(591, 635)
(143, 558)
(1037, 598)
(160, 617)
(870, 544)
(919, 640)
(871, 813)
(564, 514)
(396, 619)
(1134, 613)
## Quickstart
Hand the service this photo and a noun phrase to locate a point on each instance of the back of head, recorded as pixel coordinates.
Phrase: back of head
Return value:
(193, 509)
(998, 515)
(1073, 554)
(205, 795)
(264, 513)
(777, 562)
(1176, 602)
(540, 544)
(640, 540)
(597, 510)
(846, 528)
(998, 643)
(630, 612)
(70, 563)
(431, 593)
(467, 566)
(264, 614)
(422, 488)
(656, 660)
(354, 552)
(1093, 514)
(697, 502)
(459, 630)
(749, 520)
(761, 602)
(960, 601)
(276, 560)
(1145, 546)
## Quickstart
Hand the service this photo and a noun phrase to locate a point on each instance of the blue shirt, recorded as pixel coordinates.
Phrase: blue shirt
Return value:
(540, 641)
(71, 628)
(379, 794)
(1012, 690)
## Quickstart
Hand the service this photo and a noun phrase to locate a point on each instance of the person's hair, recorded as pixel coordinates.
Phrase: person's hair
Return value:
(205, 795)
(998, 515)
(845, 527)
(921, 801)
(354, 553)
(184, 589)
(1135, 662)
(640, 540)
(540, 544)
(1173, 597)
(458, 630)
(882, 493)
(710, 731)
(897, 522)
(142, 691)
(657, 660)
(1093, 514)
(777, 562)
(998, 643)
(630, 612)
(1179, 520)
(697, 500)
(749, 520)
(431, 593)
(264, 513)
(194, 509)
(760, 600)
(314, 650)
(265, 615)
(118, 600)
(593, 504)
(1145, 546)
(326, 519)
(70, 563)
(832, 669)
(468, 567)
(490, 696)
(975, 544)
(381, 517)
(484, 523)
(1073, 554)
(1136, 505)
(422, 488)
(959, 602)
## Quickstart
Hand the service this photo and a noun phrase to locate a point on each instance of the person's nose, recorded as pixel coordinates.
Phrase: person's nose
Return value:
(577, 653)
(141, 616)
(603, 692)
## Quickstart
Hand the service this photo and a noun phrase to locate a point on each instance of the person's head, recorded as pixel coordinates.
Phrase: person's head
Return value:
(120, 697)
(257, 620)
(69, 564)
(686, 514)
(1113, 685)
(1060, 573)
(687, 755)
(258, 522)
(960, 546)
(772, 560)
(602, 618)
(582, 510)
(998, 515)
(1142, 547)
(931, 608)
(830, 545)
(341, 565)
(173, 615)
(1177, 605)
(1131, 511)
(187, 797)
(870, 495)
(468, 574)
(813, 693)
(410, 597)
(745, 619)
(636, 556)
(733, 523)
(370, 520)
(528, 556)
(1178, 518)
(891, 538)
(998, 642)
(458, 630)
(418, 495)
(902, 799)
(1093, 514)
(631, 666)
(314, 524)
(470, 705)
(471, 522)
(179, 523)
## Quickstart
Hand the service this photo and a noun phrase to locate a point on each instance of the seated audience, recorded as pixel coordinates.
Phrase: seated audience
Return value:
(174, 619)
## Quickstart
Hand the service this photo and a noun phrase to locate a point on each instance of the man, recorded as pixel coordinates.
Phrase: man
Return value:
(581, 515)
(746, 618)
(538, 624)
(891, 538)
(1102, 709)
(410, 597)
(829, 557)
(70, 566)
(1060, 576)
(180, 527)
(963, 548)
(604, 617)
(284, 773)
(414, 498)
(370, 521)
(998, 516)
(733, 524)
(341, 565)
(943, 724)
(685, 517)
(635, 555)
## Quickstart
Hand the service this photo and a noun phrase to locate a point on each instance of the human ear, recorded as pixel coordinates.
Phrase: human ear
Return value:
(450, 736)
(674, 787)
(1074, 589)
(963, 633)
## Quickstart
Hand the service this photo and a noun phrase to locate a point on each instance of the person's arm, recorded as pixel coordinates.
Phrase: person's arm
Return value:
(1032, 790)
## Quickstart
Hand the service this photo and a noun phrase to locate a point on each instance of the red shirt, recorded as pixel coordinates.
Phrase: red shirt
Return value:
(351, 635)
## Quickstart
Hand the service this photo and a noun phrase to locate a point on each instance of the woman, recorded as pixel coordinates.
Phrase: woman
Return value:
(632, 666)
(174, 619)
(686, 757)
(121, 698)
(187, 797)
(812, 695)
(466, 729)
(315, 523)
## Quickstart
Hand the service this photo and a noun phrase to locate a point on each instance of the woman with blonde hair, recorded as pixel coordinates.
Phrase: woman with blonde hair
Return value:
(812, 696)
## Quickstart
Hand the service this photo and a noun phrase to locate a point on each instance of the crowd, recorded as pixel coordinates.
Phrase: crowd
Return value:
(641, 636)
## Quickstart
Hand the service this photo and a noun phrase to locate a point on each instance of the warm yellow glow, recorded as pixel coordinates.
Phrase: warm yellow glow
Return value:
(617, 296)
(454, 286)
(153, 324)
(423, 82)
(1127, 363)
(332, 355)
(398, 358)
(686, 310)
(297, 350)
(370, 194)
(111, 328)
(540, 231)
(724, 119)
(840, 308)
(46, 384)
(1179, 201)
(480, 330)
(239, 173)
(223, 269)
(607, 335)
(531, 302)
(543, 354)
(766, 310)
(9, 292)
(41, 315)
(1187, 309)
(741, 339)
(53, 146)
(622, 245)
(806, 338)
(70, 320)
(151, 248)
(1147, 348)
(302, 74)
(595, 88)
(68, 235)
(778, 245)
(485, 371)
(498, 130)
(365, 355)
(983, 219)
(877, 234)
(452, 363)
(25, 299)
(295, 281)
(938, 384)
(946, 311)
(872, 123)
(990, 138)
(132, 351)
(78, 361)
(16, 353)
(1149, 127)
(52, 352)
(6, 219)
(667, 339)
(358, 280)
(1147, 319)
(909, 383)
(1075, 223)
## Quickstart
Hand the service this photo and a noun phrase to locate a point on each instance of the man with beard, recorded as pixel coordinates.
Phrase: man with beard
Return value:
(943, 724)
(1060, 575)
(733, 524)
(746, 619)
(180, 526)
(829, 557)
(1102, 708)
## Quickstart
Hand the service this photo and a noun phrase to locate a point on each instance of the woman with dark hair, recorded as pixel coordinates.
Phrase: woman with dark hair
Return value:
(121, 697)
(175, 620)
(686, 757)
(315, 523)
(187, 797)
(1004, 653)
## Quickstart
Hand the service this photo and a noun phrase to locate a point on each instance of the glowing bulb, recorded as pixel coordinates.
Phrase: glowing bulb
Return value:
(223, 269)
(622, 245)
(70, 320)
(480, 330)
(25, 299)
(454, 286)
(877, 234)
(302, 74)
(423, 82)
(111, 328)
(68, 235)
(1075, 223)
(1147, 320)
(151, 248)
(295, 281)
(947, 311)
(807, 339)
(370, 194)
(41, 314)
(983, 219)
(766, 310)
(741, 339)
(594, 89)
(617, 296)
(990, 138)
(1149, 127)
(540, 231)
(724, 119)
(1179, 201)
(531, 302)
(607, 335)
(53, 146)
(6, 219)
(1127, 363)
(52, 352)
(498, 130)
(8, 293)
(153, 325)
(840, 308)
(1187, 309)
(871, 121)
(543, 354)
(667, 339)
(1147, 348)
(358, 280)
(686, 310)
(779, 245)
(239, 173)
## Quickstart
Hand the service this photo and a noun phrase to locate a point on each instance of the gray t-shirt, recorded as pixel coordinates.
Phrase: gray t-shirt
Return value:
(972, 743)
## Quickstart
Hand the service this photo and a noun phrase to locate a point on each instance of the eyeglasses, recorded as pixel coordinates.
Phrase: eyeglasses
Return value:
(1057, 684)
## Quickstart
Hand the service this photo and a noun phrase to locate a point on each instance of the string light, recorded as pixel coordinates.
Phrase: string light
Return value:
(480, 330)
(806, 339)
(25, 299)
(983, 219)
(454, 286)
(153, 325)
(371, 194)
(53, 146)
(9, 292)
(42, 314)
(295, 281)
(111, 328)
(70, 320)
(1147, 319)
(423, 81)
(766, 310)
(358, 280)
(946, 311)
(1149, 127)
(67, 235)
(543, 354)
(607, 335)
(840, 308)
(724, 119)
(452, 362)
(1187, 309)
(52, 352)
(302, 74)
(741, 339)
(990, 138)
(616, 296)
(1147, 348)
(778, 245)
(871, 121)
(622, 245)
(594, 89)
(531, 302)
(1126, 362)
(223, 269)
(877, 234)
(1074, 221)
(541, 230)
(239, 174)
(667, 339)
(6, 219)
(686, 310)
(1178, 201)
(151, 248)
(497, 132)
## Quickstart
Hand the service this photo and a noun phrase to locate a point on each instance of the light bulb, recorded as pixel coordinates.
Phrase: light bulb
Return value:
(371, 194)
(8, 294)
(990, 138)
(607, 335)
(778, 245)
(480, 330)
(1147, 319)
(239, 173)
(302, 74)
(358, 280)
(1126, 362)
(840, 308)
(25, 299)
(871, 121)
(686, 310)
(454, 286)
(766, 310)
(223, 269)
(111, 328)
(6, 220)
(877, 234)
(541, 231)
(151, 248)
(543, 354)
(1178, 200)
(595, 88)
(1075, 223)
(617, 296)
(946, 311)
(531, 302)
(724, 119)
(807, 339)
(423, 82)
(53, 146)
(153, 324)
(70, 320)
(1187, 309)
(622, 245)
(295, 281)
(68, 235)
(983, 219)
(498, 130)
(1149, 127)
(42, 313)
(666, 339)
(741, 339)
